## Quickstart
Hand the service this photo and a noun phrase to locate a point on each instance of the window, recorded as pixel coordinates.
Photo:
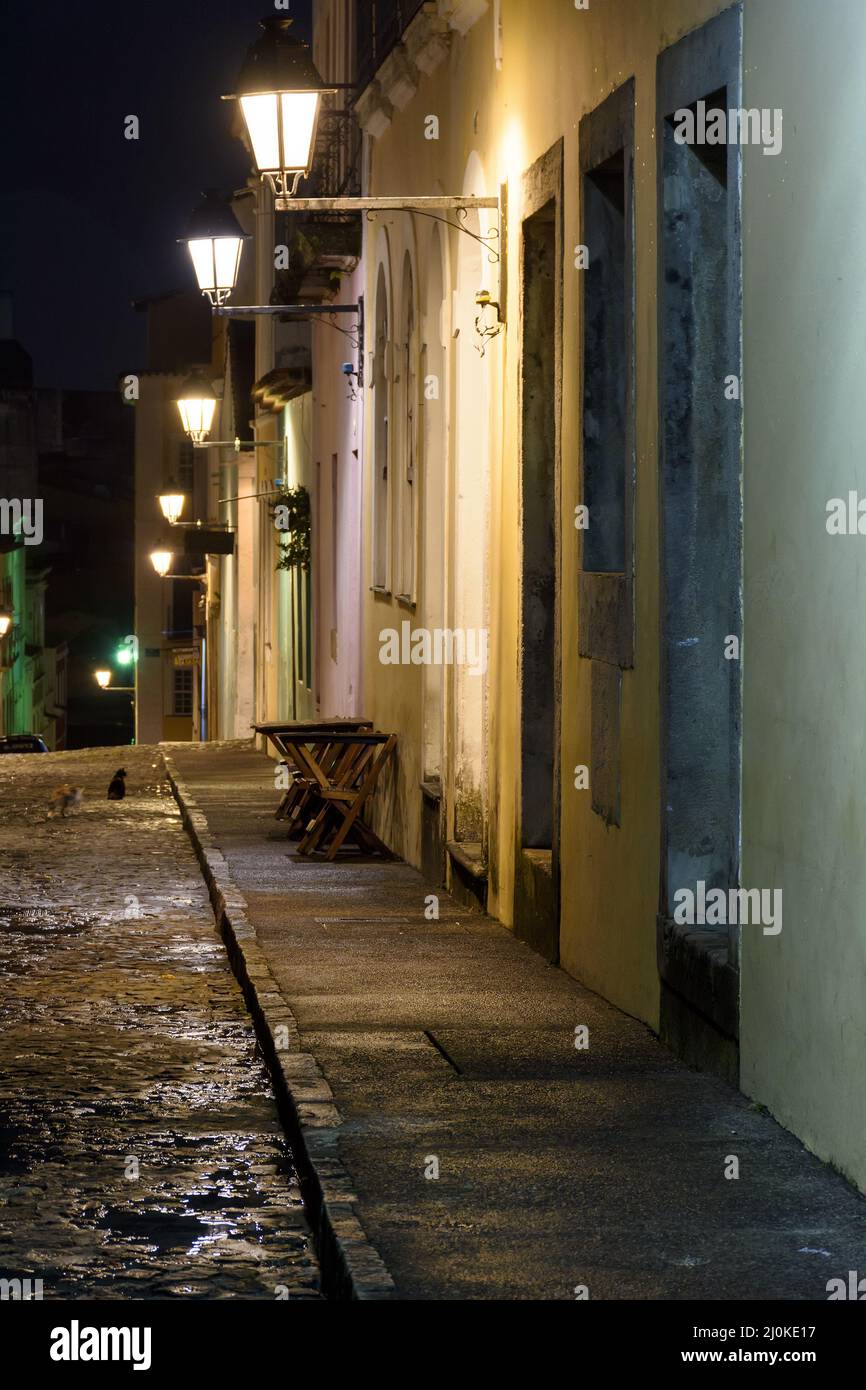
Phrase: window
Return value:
(432, 423)
(183, 688)
(381, 447)
(408, 440)
(304, 627)
(606, 625)
(186, 466)
(607, 233)
(335, 541)
(180, 608)
(605, 367)
(539, 598)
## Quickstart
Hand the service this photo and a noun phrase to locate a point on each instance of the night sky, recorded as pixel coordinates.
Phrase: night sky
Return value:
(88, 219)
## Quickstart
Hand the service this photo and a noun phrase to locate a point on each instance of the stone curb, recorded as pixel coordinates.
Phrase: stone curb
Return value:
(351, 1267)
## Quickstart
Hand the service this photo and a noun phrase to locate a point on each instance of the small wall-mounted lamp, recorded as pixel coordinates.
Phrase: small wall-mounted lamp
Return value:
(488, 320)
(351, 375)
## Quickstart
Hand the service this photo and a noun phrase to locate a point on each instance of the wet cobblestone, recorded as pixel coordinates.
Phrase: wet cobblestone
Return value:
(141, 1154)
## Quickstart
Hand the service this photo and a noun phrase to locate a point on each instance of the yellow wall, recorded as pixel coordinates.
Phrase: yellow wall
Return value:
(558, 64)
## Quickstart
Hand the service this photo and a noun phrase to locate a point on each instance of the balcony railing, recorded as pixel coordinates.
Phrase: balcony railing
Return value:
(380, 26)
(336, 171)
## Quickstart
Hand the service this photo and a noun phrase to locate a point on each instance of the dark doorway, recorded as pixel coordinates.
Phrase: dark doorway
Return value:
(606, 347)
(536, 893)
(700, 370)
(538, 654)
(606, 606)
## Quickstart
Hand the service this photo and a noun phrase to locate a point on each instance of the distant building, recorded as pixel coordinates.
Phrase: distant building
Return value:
(170, 616)
(85, 463)
(29, 671)
(66, 549)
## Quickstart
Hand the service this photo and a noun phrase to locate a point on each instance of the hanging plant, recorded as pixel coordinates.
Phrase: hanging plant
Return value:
(292, 518)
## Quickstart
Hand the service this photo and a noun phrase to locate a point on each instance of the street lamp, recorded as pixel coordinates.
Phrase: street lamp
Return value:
(5, 621)
(103, 680)
(215, 240)
(172, 504)
(280, 91)
(197, 405)
(161, 561)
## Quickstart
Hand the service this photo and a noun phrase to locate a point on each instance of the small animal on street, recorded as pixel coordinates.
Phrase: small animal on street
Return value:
(117, 785)
(65, 799)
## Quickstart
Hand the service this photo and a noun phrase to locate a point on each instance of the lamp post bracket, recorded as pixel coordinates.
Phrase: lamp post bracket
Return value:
(446, 202)
(229, 311)
(435, 206)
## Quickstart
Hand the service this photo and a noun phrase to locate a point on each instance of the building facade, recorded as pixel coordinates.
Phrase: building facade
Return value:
(560, 484)
(170, 613)
(33, 676)
(591, 476)
(85, 469)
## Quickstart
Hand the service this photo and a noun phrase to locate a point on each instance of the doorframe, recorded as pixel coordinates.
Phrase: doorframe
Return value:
(606, 606)
(698, 970)
(537, 875)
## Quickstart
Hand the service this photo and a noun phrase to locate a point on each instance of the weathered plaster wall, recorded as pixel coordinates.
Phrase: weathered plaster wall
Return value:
(610, 873)
(393, 696)
(557, 64)
(803, 1022)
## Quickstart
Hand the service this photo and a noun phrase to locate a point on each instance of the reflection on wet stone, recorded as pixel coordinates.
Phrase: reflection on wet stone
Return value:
(141, 1155)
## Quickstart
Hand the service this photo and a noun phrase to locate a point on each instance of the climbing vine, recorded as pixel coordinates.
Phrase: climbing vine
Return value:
(292, 518)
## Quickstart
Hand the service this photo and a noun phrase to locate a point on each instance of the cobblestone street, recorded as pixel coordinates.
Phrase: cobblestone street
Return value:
(141, 1154)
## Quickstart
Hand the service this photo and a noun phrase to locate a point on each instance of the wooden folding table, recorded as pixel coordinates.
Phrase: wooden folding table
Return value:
(335, 764)
(286, 735)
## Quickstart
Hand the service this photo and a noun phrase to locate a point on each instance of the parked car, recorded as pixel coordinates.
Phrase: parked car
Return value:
(23, 743)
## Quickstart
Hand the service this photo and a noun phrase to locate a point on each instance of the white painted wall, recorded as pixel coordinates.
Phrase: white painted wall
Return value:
(803, 1027)
(337, 432)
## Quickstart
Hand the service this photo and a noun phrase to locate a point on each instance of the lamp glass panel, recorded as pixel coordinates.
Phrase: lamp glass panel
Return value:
(226, 256)
(299, 124)
(202, 252)
(260, 114)
(172, 504)
(197, 416)
(161, 561)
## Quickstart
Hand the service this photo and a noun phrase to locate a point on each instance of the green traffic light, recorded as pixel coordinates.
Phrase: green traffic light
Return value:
(127, 652)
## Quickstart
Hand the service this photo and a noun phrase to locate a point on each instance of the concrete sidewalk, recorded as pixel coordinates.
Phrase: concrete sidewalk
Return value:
(449, 1048)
